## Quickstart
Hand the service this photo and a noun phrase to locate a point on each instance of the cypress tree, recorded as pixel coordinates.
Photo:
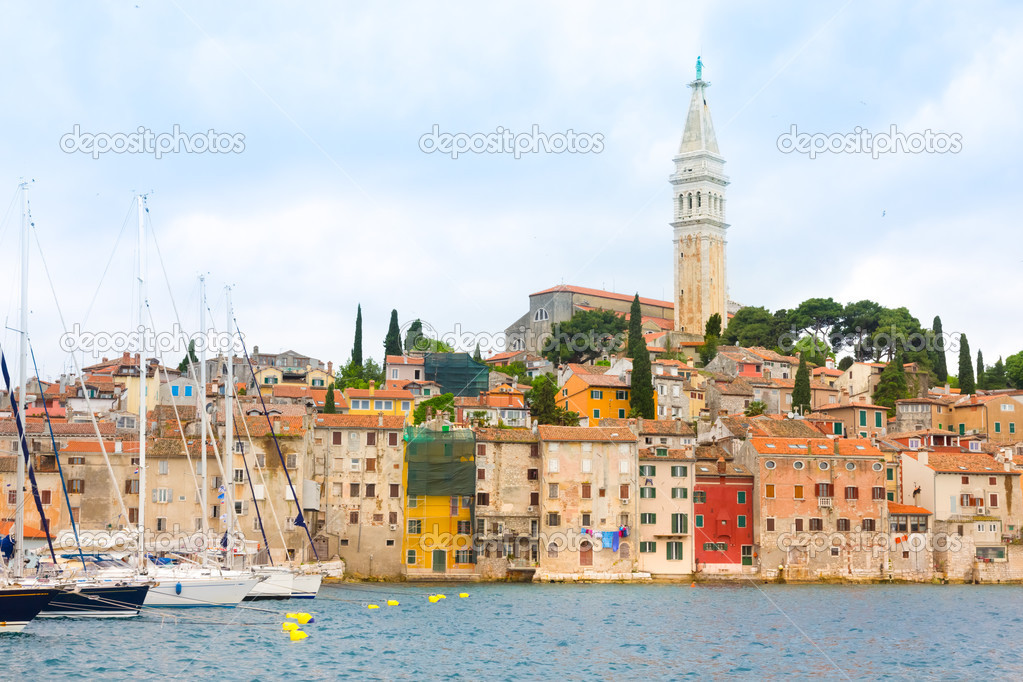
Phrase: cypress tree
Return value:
(328, 403)
(637, 344)
(543, 399)
(357, 348)
(412, 336)
(966, 382)
(801, 390)
(476, 355)
(981, 378)
(940, 367)
(392, 342)
(713, 327)
(642, 396)
(891, 385)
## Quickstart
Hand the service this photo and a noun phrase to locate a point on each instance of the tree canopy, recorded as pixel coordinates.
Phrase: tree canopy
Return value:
(392, 342)
(891, 385)
(412, 336)
(967, 383)
(445, 402)
(543, 406)
(1014, 369)
(586, 336)
(801, 398)
(357, 345)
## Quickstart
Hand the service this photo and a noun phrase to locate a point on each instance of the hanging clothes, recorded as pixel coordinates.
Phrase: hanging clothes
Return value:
(614, 542)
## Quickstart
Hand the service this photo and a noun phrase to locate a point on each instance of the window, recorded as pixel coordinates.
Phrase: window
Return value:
(353, 490)
(877, 493)
(769, 490)
(534, 499)
(993, 500)
(647, 519)
(552, 491)
(852, 492)
(770, 524)
(410, 557)
(679, 471)
(869, 525)
(878, 423)
(799, 525)
(188, 391)
(623, 466)
(998, 427)
(161, 524)
(596, 414)
(623, 492)
(621, 395)
(679, 523)
(481, 474)
(797, 492)
(863, 417)
(44, 496)
(162, 495)
(992, 480)
(291, 461)
(798, 465)
(463, 556)
(585, 491)
(843, 525)
(392, 518)
(877, 466)
(647, 493)
(680, 493)
(392, 439)
(464, 527)
(647, 547)
(540, 315)
(824, 490)
(770, 464)
(371, 490)
(131, 486)
(699, 520)
(741, 497)
(596, 395)
(553, 466)
(371, 438)
(816, 524)
(823, 466)
(395, 490)
(699, 496)
(662, 452)
(77, 486)
(174, 391)
(647, 470)
(415, 526)
(740, 521)
(553, 519)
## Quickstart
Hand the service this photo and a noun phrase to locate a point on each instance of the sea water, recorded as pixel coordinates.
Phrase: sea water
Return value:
(571, 632)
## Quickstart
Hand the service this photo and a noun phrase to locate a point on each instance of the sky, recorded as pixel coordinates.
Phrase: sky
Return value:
(326, 199)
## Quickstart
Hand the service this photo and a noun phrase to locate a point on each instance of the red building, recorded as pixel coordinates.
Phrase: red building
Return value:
(723, 513)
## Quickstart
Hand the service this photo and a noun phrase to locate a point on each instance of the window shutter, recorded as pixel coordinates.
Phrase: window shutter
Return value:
(154, 494)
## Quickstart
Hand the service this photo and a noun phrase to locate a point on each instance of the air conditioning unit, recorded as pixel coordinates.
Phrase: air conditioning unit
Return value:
(394, 526)
(980, 510)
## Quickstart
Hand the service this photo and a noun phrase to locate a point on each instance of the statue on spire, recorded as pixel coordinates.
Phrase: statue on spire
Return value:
(699, 68)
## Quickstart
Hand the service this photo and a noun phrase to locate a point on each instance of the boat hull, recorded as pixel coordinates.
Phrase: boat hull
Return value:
(18, 606)
(278, 585)
(98, 601)
(199, 592)
(306, 586)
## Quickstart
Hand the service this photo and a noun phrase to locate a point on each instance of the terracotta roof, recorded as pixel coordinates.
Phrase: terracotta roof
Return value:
(358, 421)
(38, 426)
(320, 398)
(829, 371)
(660, 427)
(578, 368)
(583, 433)
(706, 467)
(838, 406)
(506, 436)
(734, 387)
(712, 452)
(604, 294)
(30, 531)
(896, 508)
(772, 356)
(606, 380)
(283, 426)
(84, 447)
(404, 360)
(964, 463)
(291, 391)
(500, 356)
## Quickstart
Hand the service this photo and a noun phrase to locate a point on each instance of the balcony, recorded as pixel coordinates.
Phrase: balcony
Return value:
(824, 502)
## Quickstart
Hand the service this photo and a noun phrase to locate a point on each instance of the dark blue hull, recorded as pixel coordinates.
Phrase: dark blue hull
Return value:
(97, 601)
(19, 605)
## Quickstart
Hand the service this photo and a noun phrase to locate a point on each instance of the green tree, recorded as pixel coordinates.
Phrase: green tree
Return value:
(542, 399)
(328, 403)
(891, 385)
(586, 336)
(392, 342)
(443, 403)
(357, 347)
(996, 377)
(818, 352)
(1014, 369)
(860, 321)
(190, 358)
(755, 408)
(713, 326)
(801, 399)
(352, 375)
(412, 336)
(981, 377)
(517, 371)
(816, 316)
(642, 389)
(708, 350)
(637, 343)
(938, 361)
(845, 363)
(967, 383)
(476, 355)
(751, 326)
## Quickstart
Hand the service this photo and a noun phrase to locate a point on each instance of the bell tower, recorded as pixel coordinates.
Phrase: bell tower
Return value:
(699, 228)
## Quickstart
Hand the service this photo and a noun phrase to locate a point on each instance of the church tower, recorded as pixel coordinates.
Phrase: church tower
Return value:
(698, 192)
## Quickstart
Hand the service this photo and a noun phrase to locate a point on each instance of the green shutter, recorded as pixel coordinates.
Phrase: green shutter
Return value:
(877, 419)
(699, 520)
(740, 522)
(742, 497)
(863, 417)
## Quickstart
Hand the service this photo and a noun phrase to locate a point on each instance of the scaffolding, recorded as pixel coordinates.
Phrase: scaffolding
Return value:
(457, 373)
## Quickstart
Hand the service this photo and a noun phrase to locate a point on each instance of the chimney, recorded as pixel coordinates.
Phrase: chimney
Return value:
(639, 425)
(117, 446)
(721, 465)
(922, 457)
(126, 356)
(372, 386)
(380, 418)
(330, 367)
(843, 394)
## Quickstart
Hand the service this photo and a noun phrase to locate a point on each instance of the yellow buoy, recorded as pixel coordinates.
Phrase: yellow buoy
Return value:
(441, 596)
(433, 598)
(302, 618)
(285, 627)
(297, 635)
(463, 595)
(372, 606)
(392, 602)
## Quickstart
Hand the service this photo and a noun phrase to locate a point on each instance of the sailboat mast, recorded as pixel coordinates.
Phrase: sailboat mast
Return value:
(229, 425)
(202, 400)
(19, 521)
(143, 491)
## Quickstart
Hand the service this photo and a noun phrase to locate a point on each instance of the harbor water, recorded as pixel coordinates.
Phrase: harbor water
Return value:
(522, 632)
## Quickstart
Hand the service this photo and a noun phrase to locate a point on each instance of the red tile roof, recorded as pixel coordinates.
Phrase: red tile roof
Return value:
(381, 394)
(358, 421)
(583, 433)
(404, 360)
(605, 294)
(505, 436)
(815, 447)
(964, 463)
(896, 508)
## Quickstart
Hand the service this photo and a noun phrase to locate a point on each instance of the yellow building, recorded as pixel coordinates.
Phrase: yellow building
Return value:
(439, 483)
(999, 417)
(595, 396)
(396, 402)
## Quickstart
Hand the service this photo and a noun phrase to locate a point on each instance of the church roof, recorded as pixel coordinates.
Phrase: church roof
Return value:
(699, 133)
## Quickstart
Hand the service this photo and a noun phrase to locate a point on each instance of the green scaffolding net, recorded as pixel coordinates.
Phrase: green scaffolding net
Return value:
(440, 462)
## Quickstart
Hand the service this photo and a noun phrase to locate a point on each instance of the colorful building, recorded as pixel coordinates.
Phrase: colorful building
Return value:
(723, 514)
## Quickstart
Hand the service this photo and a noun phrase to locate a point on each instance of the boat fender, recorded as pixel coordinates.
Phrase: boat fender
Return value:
(302, 618)
(463, 595)
(177, 589)
(288, 627)
(372, 606)
(298, 635)
(392, 602)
